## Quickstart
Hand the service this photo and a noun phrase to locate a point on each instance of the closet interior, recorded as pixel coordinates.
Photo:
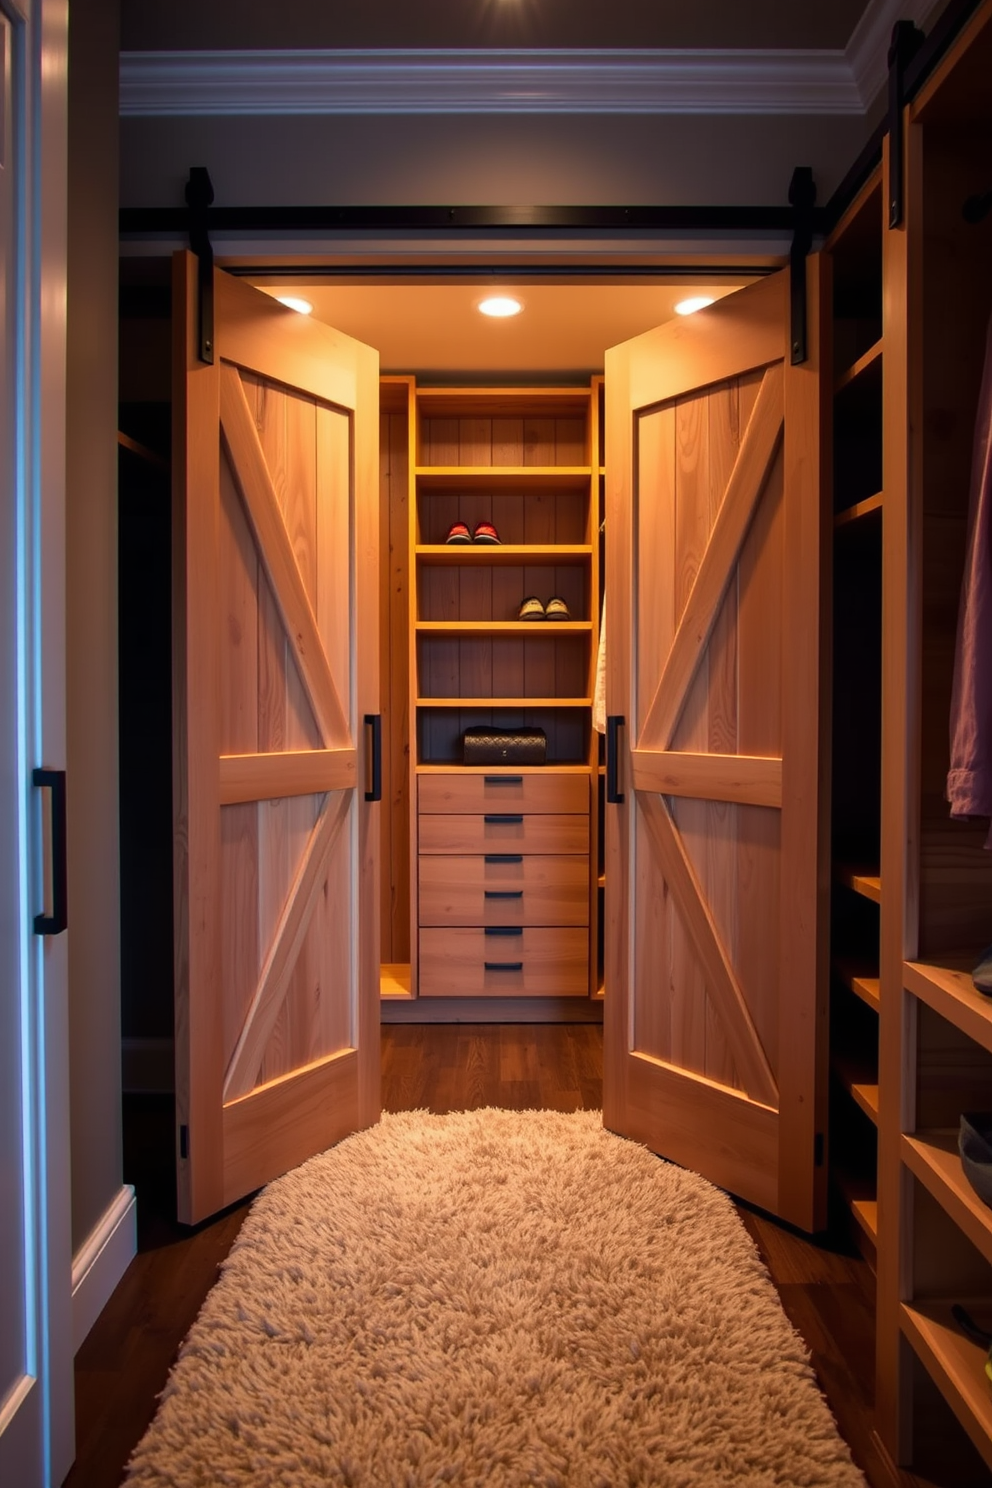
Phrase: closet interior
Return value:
(492, 890)
(490, 882)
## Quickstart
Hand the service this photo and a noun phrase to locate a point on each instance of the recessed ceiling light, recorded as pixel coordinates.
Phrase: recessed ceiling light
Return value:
(690, 306)
(294, 302)
(500, 306)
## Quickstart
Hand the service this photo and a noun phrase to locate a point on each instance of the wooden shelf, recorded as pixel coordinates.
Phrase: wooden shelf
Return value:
(932, 1157)
(509, 480)
(601, 881)
(489, 554)
(863, 880)
(503, 627)
(503, 402)
(860, 1083)
(447, 769)
(956, 1364)
(395, 981)
(859, 368)
(141, 451)
(860, 1197)
(859, 980)
(859, 510)
(947, 988)
(503, 702)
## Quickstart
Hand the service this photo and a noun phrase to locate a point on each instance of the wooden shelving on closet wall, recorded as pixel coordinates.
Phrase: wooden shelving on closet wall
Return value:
(935, 1242)
(854, 265)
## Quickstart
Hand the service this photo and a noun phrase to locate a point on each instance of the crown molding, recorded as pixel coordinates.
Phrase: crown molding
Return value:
(490, 82)
(867, 52)
(518, 81)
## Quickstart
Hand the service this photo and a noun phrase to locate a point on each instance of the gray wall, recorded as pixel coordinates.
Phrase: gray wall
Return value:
(91, 621)
(486, 160)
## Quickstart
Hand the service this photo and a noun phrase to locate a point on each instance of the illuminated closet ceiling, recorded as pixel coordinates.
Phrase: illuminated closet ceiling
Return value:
(436, 329)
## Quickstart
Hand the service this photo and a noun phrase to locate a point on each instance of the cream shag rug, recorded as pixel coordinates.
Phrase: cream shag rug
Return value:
(500, 1298)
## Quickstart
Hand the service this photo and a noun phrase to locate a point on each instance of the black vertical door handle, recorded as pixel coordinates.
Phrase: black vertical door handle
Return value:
(614, 724)
(56, 922)
(374, 722)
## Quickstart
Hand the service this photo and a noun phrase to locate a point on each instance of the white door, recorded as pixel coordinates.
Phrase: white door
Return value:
(36, 1420)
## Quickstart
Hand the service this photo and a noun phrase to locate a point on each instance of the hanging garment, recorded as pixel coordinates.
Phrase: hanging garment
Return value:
(969, 780)
(599, 695)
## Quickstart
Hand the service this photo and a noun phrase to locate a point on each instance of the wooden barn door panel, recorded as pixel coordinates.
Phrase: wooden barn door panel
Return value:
(715, 856)
(276, 662)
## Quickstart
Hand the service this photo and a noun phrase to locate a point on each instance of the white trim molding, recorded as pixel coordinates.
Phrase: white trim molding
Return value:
(101, 1261)
(486, 82)
(520, 81)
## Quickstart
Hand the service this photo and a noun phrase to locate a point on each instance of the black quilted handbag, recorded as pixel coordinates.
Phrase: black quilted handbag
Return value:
(492, 746)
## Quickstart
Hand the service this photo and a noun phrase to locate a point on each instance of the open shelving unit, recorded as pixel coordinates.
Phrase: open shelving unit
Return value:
(527, 460)
(935, 1237)
(854, 255)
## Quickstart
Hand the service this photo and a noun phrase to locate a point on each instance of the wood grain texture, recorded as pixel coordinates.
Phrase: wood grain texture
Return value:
(257, 777)
(197, 722)
(721, 981)
(539, 962)
(275, 547)
(754, 460)
(716, 777)
(287, 937)
(503, 788)
(504, 831)
(294, 1117)
(805, 876)
(480, 891)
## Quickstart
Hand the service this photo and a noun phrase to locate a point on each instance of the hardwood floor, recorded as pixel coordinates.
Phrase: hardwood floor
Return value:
(122, 1366)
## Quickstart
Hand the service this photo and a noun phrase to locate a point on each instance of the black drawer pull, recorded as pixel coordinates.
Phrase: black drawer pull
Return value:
(504, 930)
(56, 922)
(495, 820)
(503, 858)
(503, 965)
(503, 893)
(503, 779)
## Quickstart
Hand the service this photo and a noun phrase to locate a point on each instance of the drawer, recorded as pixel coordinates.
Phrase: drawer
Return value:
(536, 963)
(504, 791)
(504, 889)
(504, 832)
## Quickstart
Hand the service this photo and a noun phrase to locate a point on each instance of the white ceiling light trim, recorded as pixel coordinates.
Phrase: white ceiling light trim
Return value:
(517, 81)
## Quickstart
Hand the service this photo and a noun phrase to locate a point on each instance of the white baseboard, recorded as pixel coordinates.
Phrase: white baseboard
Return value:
(101, 1261)
(148, 1066)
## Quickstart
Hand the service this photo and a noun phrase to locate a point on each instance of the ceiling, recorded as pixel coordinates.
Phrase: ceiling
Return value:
(436, 331)
(253, 24)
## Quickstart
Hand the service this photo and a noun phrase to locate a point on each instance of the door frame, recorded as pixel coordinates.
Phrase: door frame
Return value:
(37, 1436)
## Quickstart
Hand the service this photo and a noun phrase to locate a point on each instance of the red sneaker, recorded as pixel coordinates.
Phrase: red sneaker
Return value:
(485, 532)
(458, 533)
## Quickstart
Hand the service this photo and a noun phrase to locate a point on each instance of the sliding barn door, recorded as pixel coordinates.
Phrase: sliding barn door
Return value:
(276, 668)
(715, 867)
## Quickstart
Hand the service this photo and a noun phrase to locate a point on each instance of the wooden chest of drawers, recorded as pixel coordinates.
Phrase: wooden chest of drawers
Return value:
(503, 884)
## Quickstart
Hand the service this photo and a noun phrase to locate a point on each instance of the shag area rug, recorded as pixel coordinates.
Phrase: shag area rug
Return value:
(500, 1298)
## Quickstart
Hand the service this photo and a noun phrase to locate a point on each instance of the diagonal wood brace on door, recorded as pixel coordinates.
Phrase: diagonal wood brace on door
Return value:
(199, 196)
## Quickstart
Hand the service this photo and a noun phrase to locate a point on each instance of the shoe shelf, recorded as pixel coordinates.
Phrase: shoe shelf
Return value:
(860, 879)
(954, 1362)
(859, 1081)
(504, 702)
(859, 1195)
(511, 480)
(503, 627)
(946, 987)
(869, 364)
(490, 554)
(932, 1158)
(859, 510)
(859, 978)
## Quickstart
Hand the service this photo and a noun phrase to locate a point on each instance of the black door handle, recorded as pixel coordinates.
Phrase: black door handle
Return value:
(374, 722)
(614, 724)
(492, 819)
(56, 922)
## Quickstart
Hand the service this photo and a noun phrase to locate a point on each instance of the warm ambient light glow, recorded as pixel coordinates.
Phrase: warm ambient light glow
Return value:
(690, 306)
(500, 306)
(293, 302)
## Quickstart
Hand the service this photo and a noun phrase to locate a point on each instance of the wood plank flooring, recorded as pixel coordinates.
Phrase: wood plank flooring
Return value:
(122, 1366)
